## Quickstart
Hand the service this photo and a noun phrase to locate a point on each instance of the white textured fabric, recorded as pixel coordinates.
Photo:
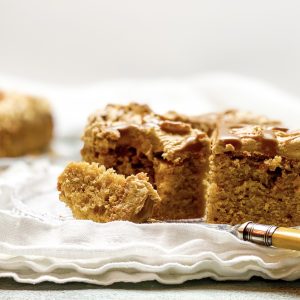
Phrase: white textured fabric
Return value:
(39, 239)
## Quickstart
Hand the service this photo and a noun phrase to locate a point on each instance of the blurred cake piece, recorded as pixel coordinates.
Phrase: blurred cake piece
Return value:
(101, 195)
(26, 124)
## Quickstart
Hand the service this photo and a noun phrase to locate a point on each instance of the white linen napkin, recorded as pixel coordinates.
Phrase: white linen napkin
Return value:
(40, 240)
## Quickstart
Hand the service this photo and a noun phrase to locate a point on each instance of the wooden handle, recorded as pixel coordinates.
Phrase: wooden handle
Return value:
(287, 238)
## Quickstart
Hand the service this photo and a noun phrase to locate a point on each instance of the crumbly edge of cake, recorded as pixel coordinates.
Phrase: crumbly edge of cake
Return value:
(101, 195)
(252, 187)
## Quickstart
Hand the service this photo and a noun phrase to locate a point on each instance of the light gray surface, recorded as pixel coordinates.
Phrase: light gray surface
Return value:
(197, 289)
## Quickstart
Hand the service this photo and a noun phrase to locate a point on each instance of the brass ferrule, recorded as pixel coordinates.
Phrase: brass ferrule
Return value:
(256, 233)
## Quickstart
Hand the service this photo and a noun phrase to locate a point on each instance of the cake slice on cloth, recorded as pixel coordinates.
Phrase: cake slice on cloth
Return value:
(101, 195)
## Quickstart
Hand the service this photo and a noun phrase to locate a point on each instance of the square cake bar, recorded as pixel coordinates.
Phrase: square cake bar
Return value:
(254, 175)
(132, 139)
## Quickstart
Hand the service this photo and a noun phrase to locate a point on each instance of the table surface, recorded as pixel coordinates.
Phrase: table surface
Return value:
(196, 289)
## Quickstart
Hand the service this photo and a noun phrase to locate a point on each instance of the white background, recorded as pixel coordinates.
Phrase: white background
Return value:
(71, 42)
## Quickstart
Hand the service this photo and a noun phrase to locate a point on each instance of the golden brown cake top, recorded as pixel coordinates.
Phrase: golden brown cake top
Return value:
(176, 140)
(174, 137)
(208, 122)
(16, 108)
(207, 118)
(205, 122)
(258, 139)
(151, 134)
(133, 112)
(92, 192)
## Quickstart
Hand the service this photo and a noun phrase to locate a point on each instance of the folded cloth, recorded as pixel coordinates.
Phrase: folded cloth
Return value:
(40, 240)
